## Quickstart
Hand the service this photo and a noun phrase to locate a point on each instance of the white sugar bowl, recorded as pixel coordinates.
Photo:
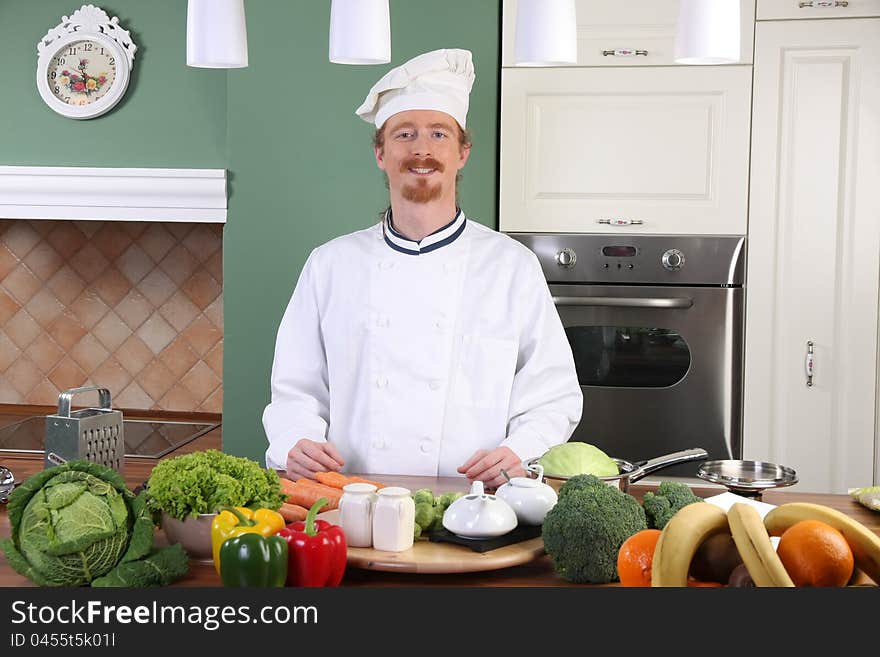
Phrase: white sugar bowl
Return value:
(478, 515)
(529, 498)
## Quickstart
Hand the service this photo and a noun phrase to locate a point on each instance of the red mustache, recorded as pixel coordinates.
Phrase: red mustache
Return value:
(416, 163)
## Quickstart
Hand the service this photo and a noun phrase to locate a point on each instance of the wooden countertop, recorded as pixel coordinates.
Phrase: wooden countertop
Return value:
(536, 573)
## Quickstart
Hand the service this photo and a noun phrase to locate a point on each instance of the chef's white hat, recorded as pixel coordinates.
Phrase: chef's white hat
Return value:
(437, 80)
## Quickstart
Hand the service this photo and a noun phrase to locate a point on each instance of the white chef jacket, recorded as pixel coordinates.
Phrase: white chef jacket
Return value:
(410, 356)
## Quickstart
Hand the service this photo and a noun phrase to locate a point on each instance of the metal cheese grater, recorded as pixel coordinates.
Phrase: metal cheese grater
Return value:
(94, 434)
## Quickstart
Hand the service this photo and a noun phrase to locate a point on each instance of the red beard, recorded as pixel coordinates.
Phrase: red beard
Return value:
(422, 191)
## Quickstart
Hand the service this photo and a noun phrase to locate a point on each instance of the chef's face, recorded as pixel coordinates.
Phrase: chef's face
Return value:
(421, 155)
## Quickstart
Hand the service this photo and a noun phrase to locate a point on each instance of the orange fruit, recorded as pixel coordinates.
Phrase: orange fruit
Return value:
(815, 554)
(635, 557)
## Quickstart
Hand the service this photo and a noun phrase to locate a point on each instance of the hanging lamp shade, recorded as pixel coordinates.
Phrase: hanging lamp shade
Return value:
(360, 32)
(546, 33)
(708, 32)
(216, 34)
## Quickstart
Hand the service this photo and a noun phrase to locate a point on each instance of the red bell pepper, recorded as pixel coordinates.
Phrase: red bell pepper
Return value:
(317, 550)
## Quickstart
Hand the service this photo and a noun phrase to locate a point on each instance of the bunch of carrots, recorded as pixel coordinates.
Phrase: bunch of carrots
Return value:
(303, 493)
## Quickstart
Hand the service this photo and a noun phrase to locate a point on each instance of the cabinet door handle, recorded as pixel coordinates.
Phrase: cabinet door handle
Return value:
(620, 222)
(808, 364)
(822, 3)
(625, 52)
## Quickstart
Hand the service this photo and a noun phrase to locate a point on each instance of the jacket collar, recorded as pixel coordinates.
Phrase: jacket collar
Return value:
(439, 238)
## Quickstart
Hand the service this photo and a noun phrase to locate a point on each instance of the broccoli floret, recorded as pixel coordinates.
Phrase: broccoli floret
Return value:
(671, 496)
(424, 514)
(448, 498)
(579, 482)
(584, 531)
(423, 495)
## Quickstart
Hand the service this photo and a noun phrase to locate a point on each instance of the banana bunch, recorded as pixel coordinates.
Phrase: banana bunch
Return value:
(695, 523)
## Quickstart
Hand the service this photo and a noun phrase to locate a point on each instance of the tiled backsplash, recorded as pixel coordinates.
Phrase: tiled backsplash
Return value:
(134, 307)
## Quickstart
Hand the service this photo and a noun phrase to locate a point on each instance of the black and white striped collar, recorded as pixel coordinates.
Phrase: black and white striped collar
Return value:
(439, 238)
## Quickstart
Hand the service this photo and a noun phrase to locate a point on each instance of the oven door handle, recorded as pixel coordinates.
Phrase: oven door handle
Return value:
(625, 302)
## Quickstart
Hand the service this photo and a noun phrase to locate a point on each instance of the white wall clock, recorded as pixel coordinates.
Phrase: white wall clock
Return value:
(84, 64)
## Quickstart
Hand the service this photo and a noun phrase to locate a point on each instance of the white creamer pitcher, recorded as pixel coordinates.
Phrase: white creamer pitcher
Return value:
(394, 519)
(356, 513)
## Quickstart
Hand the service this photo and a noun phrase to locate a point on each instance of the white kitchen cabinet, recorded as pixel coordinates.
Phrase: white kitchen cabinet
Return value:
(664, 146)
(814, 251)
(646, 27)
(807, 9)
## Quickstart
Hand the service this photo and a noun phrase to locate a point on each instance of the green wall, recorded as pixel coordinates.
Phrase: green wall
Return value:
(171, 115)
(303, 170)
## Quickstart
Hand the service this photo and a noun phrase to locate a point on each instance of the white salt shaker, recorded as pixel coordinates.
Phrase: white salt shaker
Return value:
(356, 513)
(394, 520)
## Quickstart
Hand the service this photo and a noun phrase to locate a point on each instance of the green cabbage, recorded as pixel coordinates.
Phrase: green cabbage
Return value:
(78, 522)
(570, 459)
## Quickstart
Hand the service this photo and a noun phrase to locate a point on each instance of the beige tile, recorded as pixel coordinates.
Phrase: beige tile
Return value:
(134, 228)
(8, 261)
(134, 309)
(134, 263)
(111, 375)
(157, 242)
(214, 359)
(89, 353)
(200, 381)
(44, 352)
(8, 306)
(43, 261)
(43, 394)
(66, 284)
(66, 239)
(9, 351)
(214, 312)
(111, 331)
(202, 335)
(201, 288)
(179, 357)
(8, 394)
(66, 331)
(157, 287)
(22, 284)
(111, 286)
(22, 329)
(156, 379)
(43, 226)
(134, 355)
(20, 238)
(111, 240)
(214, 402)
(214, 265)
(179, 264)
(134, 398)
(24, 374)
(67, 374)
(179, 311)
(156, 333)
(88, 228)
(88, 262)
(178, 399)
(44, 307)
(88, 309)
(179, 230)
(202, 242)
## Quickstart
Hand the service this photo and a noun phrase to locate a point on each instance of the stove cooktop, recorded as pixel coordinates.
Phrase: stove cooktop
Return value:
(143, 438)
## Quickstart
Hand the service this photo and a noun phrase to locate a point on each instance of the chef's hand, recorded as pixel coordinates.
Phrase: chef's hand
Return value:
(308, 457)
(486, 466)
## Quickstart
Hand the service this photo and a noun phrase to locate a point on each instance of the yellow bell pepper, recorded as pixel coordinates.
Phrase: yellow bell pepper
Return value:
(235, 521)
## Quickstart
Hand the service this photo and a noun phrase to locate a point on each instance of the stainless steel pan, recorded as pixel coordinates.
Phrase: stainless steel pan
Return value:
(628, 472)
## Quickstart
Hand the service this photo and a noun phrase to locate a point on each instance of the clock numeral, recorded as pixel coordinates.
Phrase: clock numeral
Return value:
(71, 51)
(102, 51)
(88, 47)
(57, 89)
(53, 74)
(112, 61)
(67, 99)
(61, 60)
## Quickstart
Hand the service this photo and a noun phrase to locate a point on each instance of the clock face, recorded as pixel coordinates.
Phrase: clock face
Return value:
(82, 72)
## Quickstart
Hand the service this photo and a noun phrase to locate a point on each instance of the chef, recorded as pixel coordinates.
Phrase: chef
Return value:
(426, 344)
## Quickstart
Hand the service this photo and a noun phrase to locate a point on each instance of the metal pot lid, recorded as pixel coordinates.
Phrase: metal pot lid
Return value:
(7, 483)
(747, 476)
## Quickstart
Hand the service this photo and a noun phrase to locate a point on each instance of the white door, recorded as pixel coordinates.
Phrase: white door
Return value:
(813, 250)
(665, 148)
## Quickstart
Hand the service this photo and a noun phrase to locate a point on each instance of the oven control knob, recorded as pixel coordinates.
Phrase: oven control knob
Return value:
(673, 260)
(566, 258)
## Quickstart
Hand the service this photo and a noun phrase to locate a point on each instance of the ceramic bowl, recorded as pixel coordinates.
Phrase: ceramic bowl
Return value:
(194, 534)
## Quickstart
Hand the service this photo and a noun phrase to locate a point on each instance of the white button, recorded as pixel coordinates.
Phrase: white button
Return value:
(439, 324)
(381, 381)
(425, 446)
(378, 443)
(382, 321)
(435, 384)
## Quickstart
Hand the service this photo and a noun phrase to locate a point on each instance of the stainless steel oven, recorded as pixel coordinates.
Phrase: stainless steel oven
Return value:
(655, 325)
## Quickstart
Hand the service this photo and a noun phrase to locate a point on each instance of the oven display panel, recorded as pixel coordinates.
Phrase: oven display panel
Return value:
(619, 251)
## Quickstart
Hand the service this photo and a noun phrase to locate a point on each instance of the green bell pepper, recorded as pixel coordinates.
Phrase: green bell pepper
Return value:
(253, 560)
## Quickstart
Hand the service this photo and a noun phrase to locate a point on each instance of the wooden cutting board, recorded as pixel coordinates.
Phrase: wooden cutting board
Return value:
(427, 557)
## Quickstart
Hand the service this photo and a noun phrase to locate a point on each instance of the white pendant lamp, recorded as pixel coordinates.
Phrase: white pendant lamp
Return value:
(360, 32)
(546, 33)
(708, 32)
(216, 34)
